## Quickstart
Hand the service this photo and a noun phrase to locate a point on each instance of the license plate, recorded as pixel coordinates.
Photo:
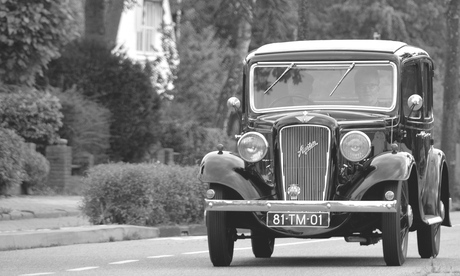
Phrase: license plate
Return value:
(298, 219)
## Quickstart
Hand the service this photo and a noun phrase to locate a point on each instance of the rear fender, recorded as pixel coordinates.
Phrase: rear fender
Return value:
(228, 169)
(437, 181)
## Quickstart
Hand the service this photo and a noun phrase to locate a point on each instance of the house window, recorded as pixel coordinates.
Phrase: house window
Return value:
(147, 33)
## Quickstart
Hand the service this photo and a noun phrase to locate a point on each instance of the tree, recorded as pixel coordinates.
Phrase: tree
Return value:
(117, 83)
(102, 19)
(451, 88)
(34, 115)
(31, 35)
(303, 29)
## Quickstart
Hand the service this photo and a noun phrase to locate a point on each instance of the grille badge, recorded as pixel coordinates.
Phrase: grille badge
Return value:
(305, 149)
(305, 118)
(293, 191)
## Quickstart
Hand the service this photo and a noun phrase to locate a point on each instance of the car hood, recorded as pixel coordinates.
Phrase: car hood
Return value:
(344, 119)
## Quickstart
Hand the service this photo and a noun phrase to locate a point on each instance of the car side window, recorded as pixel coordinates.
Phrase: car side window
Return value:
(427, 84)
(410, 85)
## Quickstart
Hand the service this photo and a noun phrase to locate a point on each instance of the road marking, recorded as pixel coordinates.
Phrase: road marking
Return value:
(196, 252)
(124, 262)
(276, 245)
(160, 256)
(38, 274)
(242, 248)
(186, 238)
(304, 242)
(83, 268)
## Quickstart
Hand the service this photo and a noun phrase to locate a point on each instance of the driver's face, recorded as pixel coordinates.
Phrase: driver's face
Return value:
(367, 91)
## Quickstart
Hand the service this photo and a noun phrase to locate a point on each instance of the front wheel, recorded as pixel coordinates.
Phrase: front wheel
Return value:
(221, 237)
(395, 226)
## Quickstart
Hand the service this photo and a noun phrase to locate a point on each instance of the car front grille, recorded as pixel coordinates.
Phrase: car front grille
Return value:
(305, 160)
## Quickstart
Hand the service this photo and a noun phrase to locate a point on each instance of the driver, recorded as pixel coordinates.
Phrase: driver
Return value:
(367, 84)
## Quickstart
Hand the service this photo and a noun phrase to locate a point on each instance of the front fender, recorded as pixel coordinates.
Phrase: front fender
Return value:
(388, 166)
(229, 170)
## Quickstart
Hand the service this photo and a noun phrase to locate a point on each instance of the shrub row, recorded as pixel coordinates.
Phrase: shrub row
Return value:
(20, 164)
(143, 194)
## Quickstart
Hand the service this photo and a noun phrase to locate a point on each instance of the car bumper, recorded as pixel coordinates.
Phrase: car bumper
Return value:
(300, 206)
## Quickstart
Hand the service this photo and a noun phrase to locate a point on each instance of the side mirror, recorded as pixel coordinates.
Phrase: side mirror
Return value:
(234, 102)
(415, 102)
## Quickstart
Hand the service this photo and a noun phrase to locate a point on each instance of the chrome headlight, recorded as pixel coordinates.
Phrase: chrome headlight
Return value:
(355, 146)
(252, 146)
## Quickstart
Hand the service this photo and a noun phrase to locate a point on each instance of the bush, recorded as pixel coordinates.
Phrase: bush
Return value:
(86, 125)
(143, 194)
(11, 160)
(117, 83)
(36, 168)
(33, 114)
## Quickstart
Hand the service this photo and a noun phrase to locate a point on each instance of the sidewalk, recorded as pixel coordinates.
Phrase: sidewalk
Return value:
(42, 221)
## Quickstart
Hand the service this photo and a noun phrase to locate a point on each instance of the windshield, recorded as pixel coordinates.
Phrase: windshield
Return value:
(347, 85)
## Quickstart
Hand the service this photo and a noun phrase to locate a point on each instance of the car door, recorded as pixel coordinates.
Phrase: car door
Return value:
(417, 132)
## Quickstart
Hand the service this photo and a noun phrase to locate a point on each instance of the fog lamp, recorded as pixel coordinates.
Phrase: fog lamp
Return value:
(210, 194)
(389, 195)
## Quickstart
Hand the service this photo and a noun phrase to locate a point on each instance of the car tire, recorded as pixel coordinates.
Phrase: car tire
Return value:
(395, 226)
(221, 237)
(429, 240)
(429, 236)
(262, 245)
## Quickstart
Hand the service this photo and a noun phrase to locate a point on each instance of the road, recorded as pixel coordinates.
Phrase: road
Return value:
(189, 256)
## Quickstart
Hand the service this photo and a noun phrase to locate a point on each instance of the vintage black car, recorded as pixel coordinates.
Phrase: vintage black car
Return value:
(337, 140)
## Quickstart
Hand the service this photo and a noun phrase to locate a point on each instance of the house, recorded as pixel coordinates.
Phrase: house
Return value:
(141, 35)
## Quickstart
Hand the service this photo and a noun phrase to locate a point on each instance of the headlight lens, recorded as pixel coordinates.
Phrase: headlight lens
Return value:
(355, 146)
(252, 147)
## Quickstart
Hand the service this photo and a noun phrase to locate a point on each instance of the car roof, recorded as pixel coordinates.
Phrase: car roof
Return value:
(384, 46)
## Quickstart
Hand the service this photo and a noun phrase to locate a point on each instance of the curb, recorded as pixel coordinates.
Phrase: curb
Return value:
(92, 234)
(26, 214)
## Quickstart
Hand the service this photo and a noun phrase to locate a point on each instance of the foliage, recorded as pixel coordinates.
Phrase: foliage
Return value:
(31, 34)
(192, 140)
(86, 124)
(142, 194)
(117, 83)
(164, 68)
(33, 114)
(197, 91)
(274, 20)
(36, 168)
(11, 160)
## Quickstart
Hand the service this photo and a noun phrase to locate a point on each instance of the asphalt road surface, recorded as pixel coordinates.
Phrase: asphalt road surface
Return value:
(189, 256)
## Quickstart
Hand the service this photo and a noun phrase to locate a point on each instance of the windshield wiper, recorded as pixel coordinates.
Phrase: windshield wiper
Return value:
(343, 77)
(278, 79)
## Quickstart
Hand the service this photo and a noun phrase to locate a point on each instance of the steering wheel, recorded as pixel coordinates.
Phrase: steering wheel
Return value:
(291, 100)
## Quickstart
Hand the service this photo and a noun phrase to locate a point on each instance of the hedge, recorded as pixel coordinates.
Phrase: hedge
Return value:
(145, 194)
(11, 160)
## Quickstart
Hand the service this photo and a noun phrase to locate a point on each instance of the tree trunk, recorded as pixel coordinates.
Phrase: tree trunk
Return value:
(112, 21)
(95, 20)
(451, 91)
(233, 84)
(303, 28)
